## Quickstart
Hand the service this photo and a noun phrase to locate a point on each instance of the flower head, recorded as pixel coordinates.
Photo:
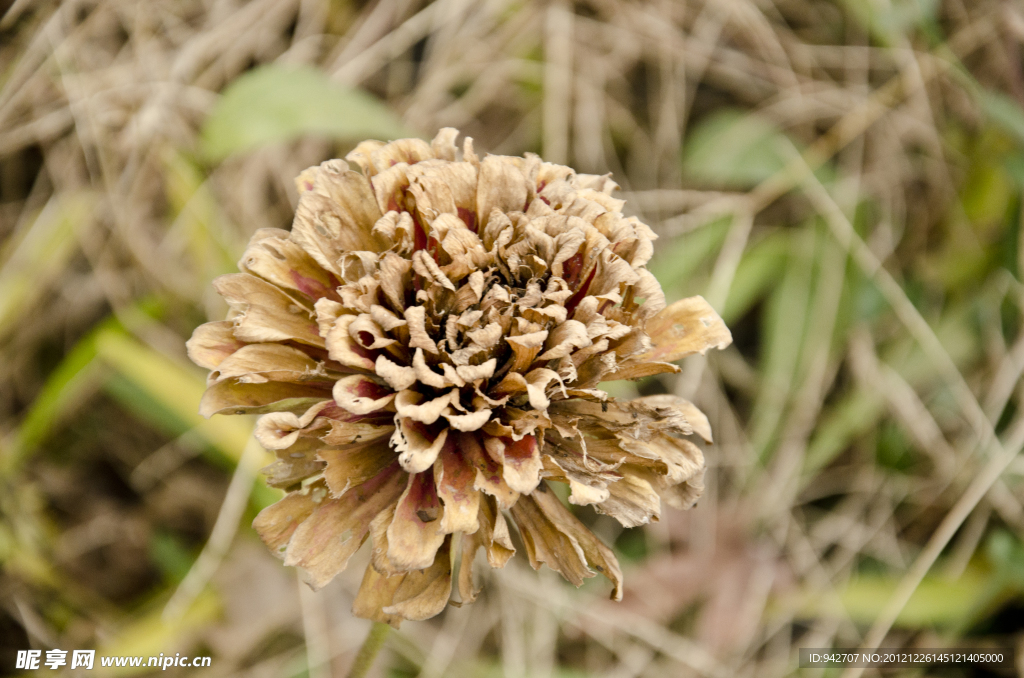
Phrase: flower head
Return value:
(426, 347)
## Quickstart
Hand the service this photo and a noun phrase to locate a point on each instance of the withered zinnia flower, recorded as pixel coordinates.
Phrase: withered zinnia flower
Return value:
(426, 347)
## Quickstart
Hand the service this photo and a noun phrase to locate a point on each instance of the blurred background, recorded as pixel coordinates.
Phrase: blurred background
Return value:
(842, 179)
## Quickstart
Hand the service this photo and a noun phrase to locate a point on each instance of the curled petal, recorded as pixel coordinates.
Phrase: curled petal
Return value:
(408, 405)
(361, 395)
(278, 430)
(417, 447)
(344, 349)
(397, 377)
(212, 343)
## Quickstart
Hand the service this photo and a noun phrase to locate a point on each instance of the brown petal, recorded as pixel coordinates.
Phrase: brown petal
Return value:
(554, 536)
(698, 420)
(686, 327)
(349, 432)
(455, 478)
(424, 594)
(276, 523)
(232, 397)
(413, 536)
(413, 595)
(359, 394)
(324, 542)
(352, 467)
(488, 472)
(633, 501)
(212, 343)
(526, 347)
(640, 370)
(266, 312)
(259, 363)
(493, 537)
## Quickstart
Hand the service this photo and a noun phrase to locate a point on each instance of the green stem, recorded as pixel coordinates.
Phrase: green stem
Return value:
(368, 652)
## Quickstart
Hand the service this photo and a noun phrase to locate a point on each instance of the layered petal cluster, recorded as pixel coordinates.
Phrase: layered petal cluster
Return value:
(426, 347)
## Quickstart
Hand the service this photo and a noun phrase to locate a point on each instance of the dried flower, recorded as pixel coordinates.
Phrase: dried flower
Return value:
(426, 347)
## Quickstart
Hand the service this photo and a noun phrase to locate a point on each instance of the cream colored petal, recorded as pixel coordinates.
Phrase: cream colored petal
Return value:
(413, 536)
(395, 279)
(359, 394)
(427, 268)
(418, 336)
(385, 318)
(398, 377)
(326, 230)
(416, 445)
(408, 151)
(408, 405)
(537, 382)
(212, 343)
(424, 374)
(361, 155)
(472, 421)
(278, 430)
(368, 334)
(520, 461)
(443, 144)
(686, 327)
(474, 373)
(564, 339)
(324, 542)
(342, 348)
